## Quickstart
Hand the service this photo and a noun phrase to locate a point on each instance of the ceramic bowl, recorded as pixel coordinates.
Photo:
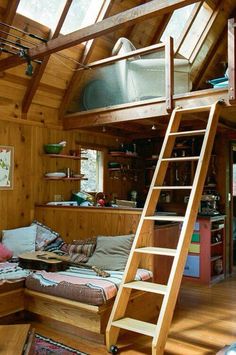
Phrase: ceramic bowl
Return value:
(53, 148)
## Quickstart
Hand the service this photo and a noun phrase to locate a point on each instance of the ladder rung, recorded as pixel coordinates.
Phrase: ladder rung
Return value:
(135, 325)
(179, 187)
(147, 287)
(180, 159)
(166, 218)
(156, 251)
(194, 109)
(188, 133)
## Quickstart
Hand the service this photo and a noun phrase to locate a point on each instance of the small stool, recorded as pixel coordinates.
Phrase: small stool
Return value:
(16, 339)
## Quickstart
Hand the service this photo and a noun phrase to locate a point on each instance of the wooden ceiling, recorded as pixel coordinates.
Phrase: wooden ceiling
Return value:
(55, 83)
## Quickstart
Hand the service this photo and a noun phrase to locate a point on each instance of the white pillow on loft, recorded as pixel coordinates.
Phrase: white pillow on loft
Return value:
(20, 240)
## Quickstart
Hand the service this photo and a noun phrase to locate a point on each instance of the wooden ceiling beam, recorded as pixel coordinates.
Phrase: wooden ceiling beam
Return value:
(39, 70)
(160, 29)
(89, 47)
(126, 18)
(10, 12)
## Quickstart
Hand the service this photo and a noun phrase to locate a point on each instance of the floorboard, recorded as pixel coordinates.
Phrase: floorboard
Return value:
(204, 322)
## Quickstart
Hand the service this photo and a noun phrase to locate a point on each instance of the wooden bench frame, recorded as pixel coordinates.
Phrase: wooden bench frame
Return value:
(85, 320)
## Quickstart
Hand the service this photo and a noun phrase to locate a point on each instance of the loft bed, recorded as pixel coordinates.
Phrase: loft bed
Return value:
(142, 98)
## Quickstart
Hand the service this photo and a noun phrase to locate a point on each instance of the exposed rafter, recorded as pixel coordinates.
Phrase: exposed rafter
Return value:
(126, 18)
(39, 70)
(10, 12)
(160, 29)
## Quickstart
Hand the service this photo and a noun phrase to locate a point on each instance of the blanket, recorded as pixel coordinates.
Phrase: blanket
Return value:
(86, 277)
(11, 271)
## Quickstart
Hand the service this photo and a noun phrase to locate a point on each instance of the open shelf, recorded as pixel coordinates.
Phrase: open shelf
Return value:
(65, 178)
(66, 156)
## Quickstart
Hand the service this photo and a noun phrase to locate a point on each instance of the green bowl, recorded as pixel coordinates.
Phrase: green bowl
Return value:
(53, 148)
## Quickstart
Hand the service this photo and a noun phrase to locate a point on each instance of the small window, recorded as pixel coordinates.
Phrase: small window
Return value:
(93, 170)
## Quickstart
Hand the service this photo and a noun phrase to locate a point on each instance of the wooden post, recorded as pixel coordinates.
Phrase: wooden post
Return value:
(232, 60)
(169, 73)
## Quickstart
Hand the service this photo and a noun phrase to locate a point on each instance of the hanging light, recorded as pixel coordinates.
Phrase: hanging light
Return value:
(154, 127)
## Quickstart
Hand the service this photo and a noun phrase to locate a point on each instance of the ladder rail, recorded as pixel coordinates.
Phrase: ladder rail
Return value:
(172, 126)
(146, 224)
(175, 277)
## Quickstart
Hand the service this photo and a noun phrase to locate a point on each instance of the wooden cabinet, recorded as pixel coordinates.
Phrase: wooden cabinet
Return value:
(206, 258)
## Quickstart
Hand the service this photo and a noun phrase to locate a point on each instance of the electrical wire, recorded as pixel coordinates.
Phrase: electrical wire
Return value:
(82, 66)
(17, 37)
(32, 35)
(21, 46)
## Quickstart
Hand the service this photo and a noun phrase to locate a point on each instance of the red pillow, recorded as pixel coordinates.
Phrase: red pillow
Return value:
(5, 253)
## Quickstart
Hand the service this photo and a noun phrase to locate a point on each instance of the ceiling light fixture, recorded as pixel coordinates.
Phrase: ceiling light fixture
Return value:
(154, 127)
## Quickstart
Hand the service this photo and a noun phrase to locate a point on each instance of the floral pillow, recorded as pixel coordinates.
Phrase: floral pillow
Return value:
(44, 235)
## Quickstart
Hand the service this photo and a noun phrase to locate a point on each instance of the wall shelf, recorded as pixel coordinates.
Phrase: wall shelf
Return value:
(66, 156)
(65, 178)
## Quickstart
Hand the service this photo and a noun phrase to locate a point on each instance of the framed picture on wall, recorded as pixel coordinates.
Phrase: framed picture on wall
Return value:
(6, 167)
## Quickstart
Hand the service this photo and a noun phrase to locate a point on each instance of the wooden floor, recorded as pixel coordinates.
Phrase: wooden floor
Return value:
(204, 322)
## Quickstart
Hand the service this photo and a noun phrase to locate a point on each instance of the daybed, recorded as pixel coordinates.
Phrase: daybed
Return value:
(84, 319)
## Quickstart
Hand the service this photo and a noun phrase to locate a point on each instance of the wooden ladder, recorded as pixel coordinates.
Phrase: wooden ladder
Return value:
(169, 292)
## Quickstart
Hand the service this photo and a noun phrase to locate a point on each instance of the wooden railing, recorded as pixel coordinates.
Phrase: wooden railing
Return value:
(168, 47)
(232, 60)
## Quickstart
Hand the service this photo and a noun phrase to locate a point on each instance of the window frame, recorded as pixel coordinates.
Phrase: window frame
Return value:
(100, 171)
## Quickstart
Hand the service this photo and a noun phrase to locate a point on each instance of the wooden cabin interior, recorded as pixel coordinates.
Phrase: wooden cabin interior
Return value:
(105, 76)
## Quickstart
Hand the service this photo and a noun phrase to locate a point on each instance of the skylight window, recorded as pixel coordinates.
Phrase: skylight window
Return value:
(43, 11)
(196, 30)
(47, 12)
(177, 22)
(81, 14)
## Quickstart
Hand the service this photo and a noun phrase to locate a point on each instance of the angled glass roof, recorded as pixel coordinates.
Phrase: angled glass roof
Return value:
(47, 12)
(177, 22)
(43, 11)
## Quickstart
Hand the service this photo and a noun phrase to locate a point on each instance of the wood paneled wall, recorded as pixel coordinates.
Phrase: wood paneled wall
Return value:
(30, 164)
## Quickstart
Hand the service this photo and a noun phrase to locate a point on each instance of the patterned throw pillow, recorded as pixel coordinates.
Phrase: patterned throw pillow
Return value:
(56, 246)
(44, 235)
(81, 250)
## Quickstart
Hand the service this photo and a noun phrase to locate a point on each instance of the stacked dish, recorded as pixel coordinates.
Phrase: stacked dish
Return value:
(56, 175)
